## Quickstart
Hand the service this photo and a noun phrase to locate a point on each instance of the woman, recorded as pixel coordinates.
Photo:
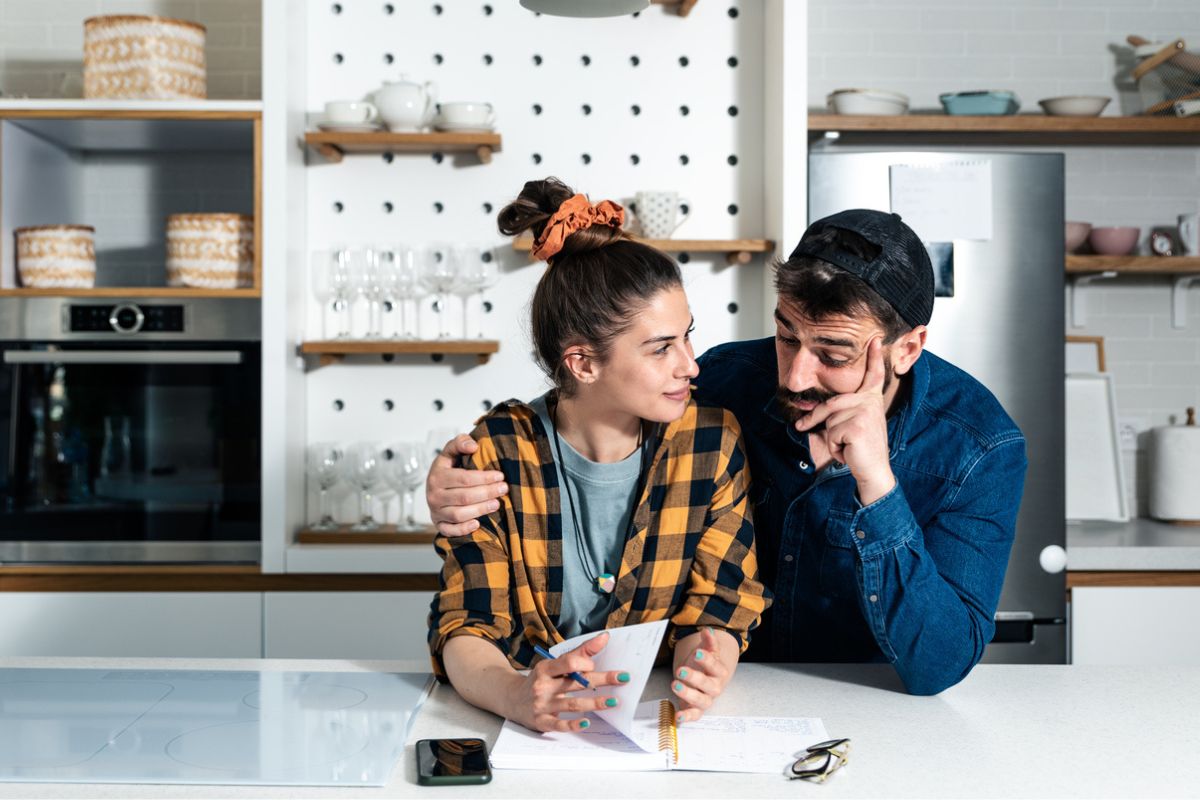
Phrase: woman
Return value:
(628, 501)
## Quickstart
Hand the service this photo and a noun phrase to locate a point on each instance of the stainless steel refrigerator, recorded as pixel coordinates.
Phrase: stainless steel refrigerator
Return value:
(999, 316)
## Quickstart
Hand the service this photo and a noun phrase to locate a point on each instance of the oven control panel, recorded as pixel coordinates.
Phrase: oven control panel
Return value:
(125, 318)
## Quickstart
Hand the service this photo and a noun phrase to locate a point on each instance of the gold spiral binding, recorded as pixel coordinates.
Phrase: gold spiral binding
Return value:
(668, 736)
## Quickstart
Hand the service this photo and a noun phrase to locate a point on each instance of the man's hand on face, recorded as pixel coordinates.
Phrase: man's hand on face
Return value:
(856, 429)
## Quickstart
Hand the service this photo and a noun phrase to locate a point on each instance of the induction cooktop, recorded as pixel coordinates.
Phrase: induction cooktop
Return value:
(198, 727)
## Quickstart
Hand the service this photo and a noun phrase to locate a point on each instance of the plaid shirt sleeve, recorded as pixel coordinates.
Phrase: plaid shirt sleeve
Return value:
(473, 596)
(723, 590)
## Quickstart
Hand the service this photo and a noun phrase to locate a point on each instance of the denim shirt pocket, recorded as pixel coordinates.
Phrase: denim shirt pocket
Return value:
(839, 557)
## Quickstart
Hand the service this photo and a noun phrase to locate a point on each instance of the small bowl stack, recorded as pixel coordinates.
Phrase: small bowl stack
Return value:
(867, 101)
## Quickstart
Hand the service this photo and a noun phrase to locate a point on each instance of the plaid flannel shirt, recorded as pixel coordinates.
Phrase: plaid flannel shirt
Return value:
(691, 558)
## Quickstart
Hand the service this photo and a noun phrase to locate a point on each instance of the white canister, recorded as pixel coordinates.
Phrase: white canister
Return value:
(1174, 465)
(210, 251)
(56, 256)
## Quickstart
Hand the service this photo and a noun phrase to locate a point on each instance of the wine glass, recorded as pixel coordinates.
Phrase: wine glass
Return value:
(341, 285)
(408, 287)
(363, 467)
(325, 463)
(465, 259)
(368, 282)
(480, 274)
(388, 289)
(412, 464)
(322, 288)
(438, 275)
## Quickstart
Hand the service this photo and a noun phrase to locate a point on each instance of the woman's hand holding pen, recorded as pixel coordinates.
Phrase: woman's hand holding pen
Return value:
(538, 699)
(704, 663)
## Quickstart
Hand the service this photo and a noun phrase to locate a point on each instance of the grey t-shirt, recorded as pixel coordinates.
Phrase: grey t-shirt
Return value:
(604, 504)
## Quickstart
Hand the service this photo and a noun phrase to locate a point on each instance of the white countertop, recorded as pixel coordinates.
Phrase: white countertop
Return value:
(1140, 544)
(1007, 731)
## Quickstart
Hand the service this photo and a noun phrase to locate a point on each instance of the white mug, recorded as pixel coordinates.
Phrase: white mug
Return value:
(1189, 233)
(660, 213)
(350, 112)
(463, 115)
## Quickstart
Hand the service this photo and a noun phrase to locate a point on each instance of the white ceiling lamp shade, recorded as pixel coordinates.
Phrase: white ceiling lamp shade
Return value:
(586, 8)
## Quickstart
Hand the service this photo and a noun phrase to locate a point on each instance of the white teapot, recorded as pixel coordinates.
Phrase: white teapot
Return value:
(404, 105)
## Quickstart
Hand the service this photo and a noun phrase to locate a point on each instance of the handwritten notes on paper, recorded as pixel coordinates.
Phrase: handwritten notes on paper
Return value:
(944, 202)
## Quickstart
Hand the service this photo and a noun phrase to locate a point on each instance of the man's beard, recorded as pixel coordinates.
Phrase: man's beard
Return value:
(785, 398)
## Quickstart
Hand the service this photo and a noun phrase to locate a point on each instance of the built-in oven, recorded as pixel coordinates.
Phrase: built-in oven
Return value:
(130, 430)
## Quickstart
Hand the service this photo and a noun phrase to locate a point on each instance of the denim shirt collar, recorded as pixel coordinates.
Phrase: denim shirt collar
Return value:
(900, 422)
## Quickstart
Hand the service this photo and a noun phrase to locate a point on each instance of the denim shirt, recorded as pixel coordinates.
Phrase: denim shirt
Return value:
(912, 579)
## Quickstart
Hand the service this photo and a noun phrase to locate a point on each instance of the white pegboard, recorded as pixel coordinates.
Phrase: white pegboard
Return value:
(710, 62)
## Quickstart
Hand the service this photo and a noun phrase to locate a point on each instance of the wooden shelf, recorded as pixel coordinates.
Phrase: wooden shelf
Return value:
(333, 351)
(132, 291)
(387, 534)
(1159, 130)
(335, 145)
(737, 251)
(1142, 265)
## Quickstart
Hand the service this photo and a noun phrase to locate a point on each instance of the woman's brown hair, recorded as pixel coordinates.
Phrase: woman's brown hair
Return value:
(592, 288)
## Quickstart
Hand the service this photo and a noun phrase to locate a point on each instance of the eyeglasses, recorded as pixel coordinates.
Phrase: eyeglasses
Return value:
(821, 760)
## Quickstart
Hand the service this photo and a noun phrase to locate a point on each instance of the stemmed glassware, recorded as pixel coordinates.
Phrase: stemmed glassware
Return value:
(364, 468)
(412, 465)
(439, 275)
(365, 281)
(408, 287)
(330, 278)
(477, 274)
(325, 463)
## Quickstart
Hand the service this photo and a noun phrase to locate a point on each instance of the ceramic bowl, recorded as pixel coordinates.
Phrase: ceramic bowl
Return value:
(1114, 241)
(867, 101)
(1074, 106)
(1076, 235)
(981, 103)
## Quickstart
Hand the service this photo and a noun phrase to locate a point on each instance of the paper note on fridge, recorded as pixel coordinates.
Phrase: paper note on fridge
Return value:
(944, 202)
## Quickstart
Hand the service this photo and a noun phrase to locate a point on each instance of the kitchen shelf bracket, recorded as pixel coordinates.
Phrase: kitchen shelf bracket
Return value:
(1078, 306)
(1179, 300)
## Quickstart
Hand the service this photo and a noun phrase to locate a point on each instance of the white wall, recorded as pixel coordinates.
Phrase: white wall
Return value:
(1047, 48)
(41, 43)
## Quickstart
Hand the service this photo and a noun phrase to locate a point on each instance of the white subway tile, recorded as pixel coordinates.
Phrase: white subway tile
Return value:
(907, 42)
(991, 17)
(1044, 19)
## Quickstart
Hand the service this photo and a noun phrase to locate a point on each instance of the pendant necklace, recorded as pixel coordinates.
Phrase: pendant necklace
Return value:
(603, 581)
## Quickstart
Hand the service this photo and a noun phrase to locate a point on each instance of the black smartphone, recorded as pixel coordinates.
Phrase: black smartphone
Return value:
(452, 762)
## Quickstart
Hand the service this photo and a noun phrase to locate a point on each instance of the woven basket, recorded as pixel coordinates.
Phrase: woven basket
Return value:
(57, 256)
(210, 251)
(132, 57)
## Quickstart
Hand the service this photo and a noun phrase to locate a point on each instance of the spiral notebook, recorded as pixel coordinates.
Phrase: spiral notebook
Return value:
(652, 741)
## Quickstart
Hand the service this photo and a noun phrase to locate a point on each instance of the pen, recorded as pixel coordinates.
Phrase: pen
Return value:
(575, 676)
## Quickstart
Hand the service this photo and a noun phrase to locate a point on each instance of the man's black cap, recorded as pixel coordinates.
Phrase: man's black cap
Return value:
(901, 274)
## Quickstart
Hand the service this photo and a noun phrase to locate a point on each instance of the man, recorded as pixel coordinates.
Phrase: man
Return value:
(886, 481)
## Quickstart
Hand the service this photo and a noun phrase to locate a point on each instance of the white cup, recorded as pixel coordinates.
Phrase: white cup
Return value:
(350, 112)
(466, 115)
(660, 213)
(1189, 233)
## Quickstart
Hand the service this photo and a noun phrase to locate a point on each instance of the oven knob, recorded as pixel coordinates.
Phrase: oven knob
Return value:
(126, 318)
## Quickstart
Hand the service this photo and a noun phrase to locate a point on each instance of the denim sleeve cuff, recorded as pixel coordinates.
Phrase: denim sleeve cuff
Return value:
(884, 525)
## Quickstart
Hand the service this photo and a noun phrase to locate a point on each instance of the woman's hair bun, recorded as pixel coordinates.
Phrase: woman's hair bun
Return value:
(534, 206)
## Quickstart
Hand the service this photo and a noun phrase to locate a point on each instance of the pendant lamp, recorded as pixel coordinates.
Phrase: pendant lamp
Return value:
(586, 8)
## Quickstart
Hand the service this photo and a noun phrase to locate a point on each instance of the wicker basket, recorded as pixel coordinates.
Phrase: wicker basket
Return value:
(56, 256)
(132, 57)
(210, 251)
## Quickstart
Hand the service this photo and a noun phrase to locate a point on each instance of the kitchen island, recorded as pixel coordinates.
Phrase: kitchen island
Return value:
(1006, 731)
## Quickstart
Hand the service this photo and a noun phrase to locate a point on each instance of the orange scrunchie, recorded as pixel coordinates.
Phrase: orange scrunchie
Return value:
(575, 214)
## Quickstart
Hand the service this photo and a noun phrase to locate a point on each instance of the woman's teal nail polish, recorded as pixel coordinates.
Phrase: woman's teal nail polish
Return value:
(583, 723)
(611, 702)
(683, 673)
(678, 686)
(623, 677)
(699, 655)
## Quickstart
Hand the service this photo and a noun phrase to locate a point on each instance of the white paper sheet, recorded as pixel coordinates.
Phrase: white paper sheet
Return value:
(944, 202)
(630, 649)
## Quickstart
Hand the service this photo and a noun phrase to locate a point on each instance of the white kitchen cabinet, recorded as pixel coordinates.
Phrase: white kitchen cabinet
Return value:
(389, 625)
(1137, 625)
(166, 624)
